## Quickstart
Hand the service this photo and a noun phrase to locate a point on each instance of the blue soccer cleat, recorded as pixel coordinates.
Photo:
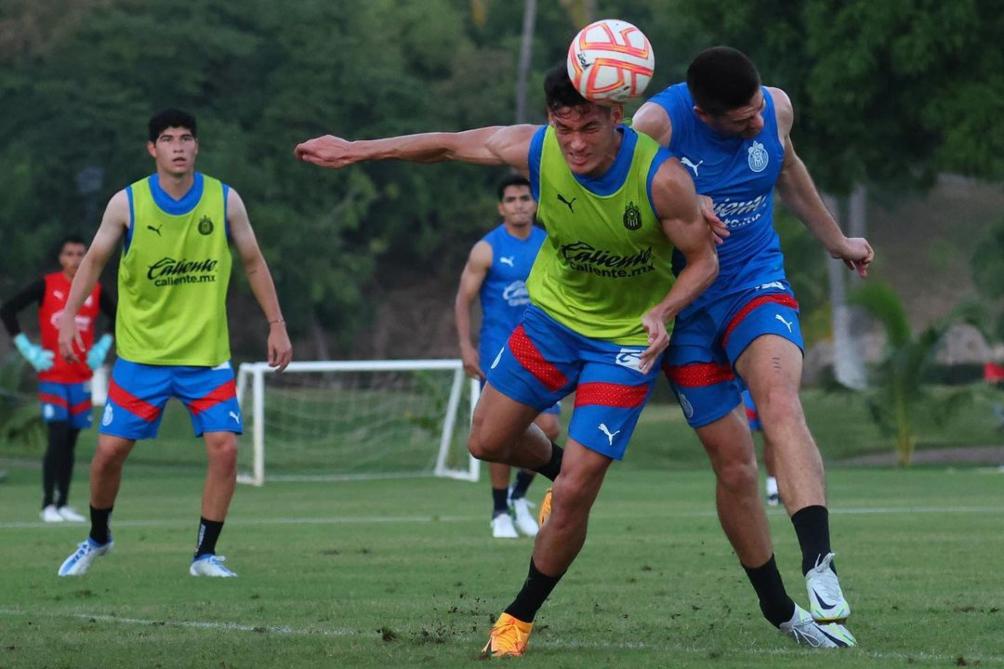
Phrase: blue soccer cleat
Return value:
(80, 561)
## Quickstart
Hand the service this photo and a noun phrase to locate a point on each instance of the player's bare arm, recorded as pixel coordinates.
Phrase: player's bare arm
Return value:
(280, 350)
(114, 224)
(653, 120)
(800, 195)
(684, 225)
(494, 145)
(475, 271)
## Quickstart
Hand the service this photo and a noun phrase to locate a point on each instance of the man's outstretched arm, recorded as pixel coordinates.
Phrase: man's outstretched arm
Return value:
(494, 145)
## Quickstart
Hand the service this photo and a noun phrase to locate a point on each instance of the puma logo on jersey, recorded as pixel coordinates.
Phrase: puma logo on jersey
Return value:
(787, 324)
(235, 416)
(561, 198)
(157, 229)
(689, 163)
(58, 294)
(605, 430)
(510, 260)
(495, 362)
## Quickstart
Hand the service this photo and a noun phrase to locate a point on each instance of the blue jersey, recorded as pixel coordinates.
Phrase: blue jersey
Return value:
(739, 175)
(504, 296)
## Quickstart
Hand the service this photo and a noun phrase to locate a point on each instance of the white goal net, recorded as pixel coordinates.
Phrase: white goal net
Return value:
(330, 420)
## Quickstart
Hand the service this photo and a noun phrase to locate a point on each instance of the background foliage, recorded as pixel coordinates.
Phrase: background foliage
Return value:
(886, 93)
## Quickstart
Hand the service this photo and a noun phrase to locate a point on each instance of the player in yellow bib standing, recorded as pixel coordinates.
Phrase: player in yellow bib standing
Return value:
(614, 205)
(171, 329)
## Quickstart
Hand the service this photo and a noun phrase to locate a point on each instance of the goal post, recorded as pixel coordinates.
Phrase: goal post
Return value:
(351, 419)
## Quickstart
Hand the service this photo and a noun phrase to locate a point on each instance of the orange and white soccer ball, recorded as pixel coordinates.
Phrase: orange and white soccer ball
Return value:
(610, 61)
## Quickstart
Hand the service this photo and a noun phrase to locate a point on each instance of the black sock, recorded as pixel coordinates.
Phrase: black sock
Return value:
(99, 525)
(553, 467)
(812, 526)
(500, 501)
(531, 597)
(209, 532)
(523, 480)
(64, 467)
(775, 603)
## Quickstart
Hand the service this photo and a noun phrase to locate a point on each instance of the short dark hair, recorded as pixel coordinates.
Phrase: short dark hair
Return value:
(721, 79)
(171, 118)
(70, 239)
(512, 180)
(559, 91)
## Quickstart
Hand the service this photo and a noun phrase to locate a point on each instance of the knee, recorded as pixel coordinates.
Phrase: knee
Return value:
(782, 408)
(738, 474)
(109, 458)
(222, 449)
(481, 446)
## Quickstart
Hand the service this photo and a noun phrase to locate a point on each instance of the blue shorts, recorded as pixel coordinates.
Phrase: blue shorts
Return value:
(705, 345)
(554, 409)
(66, 402)
(137, 395)
(544, 361)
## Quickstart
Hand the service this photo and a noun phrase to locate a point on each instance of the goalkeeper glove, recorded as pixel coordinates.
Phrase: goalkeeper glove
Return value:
(36, 356)
(96, 356)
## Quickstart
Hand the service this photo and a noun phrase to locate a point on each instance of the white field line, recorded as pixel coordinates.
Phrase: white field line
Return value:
(285, 630)
(351, 520)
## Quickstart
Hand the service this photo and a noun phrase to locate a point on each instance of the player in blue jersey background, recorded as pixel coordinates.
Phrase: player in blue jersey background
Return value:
(496, 273)
(733, 135)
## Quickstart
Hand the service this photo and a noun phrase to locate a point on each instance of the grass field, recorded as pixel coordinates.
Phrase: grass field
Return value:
(404, 573)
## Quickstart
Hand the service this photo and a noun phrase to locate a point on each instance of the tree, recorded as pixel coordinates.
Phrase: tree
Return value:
(897, 395)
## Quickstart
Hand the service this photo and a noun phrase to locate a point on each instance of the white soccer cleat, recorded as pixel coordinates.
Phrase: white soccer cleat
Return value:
(525, 522)
(51, 515)
(502, 527)
(826, 599)
(80, 561)
(210, 565)
(70, 515)
(808, 632)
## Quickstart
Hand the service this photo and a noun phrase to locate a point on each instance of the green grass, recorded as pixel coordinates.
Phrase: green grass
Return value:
(385, 573)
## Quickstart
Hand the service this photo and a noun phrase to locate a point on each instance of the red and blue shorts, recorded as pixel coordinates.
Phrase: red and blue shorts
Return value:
(66, 402)
(705, 345)
(137, 394)
(543, 361)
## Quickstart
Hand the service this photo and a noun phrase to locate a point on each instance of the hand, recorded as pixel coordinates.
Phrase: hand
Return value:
(96, 356)
(856, 253)
(326, 151)
(280, 350)
(36, 356)
(70, 340)
(654, 322)
(472, 362)
(718, 229)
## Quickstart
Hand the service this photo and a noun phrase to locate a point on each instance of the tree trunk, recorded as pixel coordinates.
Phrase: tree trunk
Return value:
(525, 56)
(848, 368)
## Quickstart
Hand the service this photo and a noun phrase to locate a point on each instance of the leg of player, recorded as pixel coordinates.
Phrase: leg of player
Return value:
(524, 519)
(106, 476)
(729, 446)
(221, 479)
(502, 525)
(772, 368)
(503, 431)
(64, 476)
(56, 436)
(556, 546)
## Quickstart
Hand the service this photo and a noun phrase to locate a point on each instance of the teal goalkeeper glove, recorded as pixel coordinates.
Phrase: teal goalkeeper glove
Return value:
(36, 356)
(96, 356)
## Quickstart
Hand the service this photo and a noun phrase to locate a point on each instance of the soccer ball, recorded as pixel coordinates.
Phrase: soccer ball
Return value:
(610, 61)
